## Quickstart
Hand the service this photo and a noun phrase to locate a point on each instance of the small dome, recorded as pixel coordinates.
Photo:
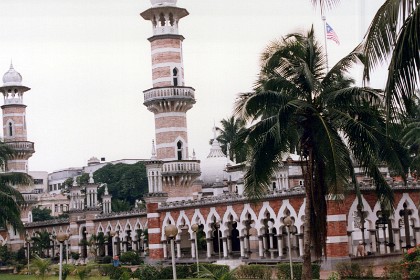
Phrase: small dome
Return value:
(157, 3)
(12, 77)
(213, 167)
(93, 160)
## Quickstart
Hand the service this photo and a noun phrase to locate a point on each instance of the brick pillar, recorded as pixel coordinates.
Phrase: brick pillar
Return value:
(154, 231)
(337, 239)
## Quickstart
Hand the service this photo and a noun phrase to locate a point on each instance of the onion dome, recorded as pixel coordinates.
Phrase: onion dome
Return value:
(93, 161)
(213, 167)
(12, 77)
(158, 3)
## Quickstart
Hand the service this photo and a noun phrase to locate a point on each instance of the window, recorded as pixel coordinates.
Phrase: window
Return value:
(10, 129)
(175, 76)
(38, 181)
(179, 150)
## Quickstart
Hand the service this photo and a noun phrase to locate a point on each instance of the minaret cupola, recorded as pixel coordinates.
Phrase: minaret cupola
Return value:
(14, 121)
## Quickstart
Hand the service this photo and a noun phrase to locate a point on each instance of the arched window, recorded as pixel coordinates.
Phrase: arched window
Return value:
(171, 19)
(162, 19)
(10, 129)
(179, 150)
(175, 76)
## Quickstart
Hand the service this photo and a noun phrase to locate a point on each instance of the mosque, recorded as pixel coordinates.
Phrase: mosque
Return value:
(204, 199)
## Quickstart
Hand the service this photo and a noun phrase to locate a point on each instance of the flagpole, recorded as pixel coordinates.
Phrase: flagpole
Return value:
(325, 39)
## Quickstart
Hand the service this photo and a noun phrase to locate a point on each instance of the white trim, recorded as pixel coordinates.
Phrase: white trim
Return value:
(167, 64)
(337, 239)
(170, 129)
(155, 246)
(169, 145)
(164, 79)
(164, 50)
(153, 215)
(336, 218)
(153, 230)
(18, 160)
(171, 114)
(14, 115)
(14, 124)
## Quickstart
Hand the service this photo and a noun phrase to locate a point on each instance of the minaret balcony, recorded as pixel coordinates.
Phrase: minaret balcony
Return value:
(22, 147)
(181, 167)
(164, 99)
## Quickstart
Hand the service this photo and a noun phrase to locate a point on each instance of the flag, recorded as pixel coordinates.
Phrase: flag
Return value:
(331, 34)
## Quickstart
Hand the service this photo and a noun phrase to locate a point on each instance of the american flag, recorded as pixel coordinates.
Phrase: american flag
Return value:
(331, 34)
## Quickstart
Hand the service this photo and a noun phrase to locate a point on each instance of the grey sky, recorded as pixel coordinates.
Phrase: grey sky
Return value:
(88, 61)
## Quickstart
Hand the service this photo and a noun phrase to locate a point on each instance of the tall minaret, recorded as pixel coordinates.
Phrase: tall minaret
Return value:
(14, 121)
(169, 100)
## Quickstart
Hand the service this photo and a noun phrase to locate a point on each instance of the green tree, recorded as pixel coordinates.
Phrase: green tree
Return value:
(126, 183)
(41, 242)
(42, 267)
(411, 136)
(299, 106)
(41, 214)
(230, 137)
(10, 198)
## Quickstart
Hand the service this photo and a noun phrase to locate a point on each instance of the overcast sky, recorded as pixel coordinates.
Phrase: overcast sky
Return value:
(88, 62)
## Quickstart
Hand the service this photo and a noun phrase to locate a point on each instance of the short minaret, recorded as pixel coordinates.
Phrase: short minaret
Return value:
(91, 193)
(14, 121)
(169, 100)
(106, 201)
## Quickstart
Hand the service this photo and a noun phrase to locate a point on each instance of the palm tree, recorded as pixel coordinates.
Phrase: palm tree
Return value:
(230, 138)
(298, 106)
(411, 135)
(42, 242)
(10, 198)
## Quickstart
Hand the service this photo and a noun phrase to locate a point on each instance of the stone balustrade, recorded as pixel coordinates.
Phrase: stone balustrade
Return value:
(21, 146)
(169, 93)
(180, 167)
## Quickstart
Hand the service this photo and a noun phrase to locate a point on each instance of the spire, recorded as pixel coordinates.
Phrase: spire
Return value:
(153, 150)
(106, 190)
(75, 182)
(193, 155)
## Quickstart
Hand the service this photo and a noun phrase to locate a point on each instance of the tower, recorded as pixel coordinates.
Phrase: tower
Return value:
(170, 171)
(14, 121)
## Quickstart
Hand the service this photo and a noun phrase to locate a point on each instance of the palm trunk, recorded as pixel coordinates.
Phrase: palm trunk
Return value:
(307, 263)
(308, 177)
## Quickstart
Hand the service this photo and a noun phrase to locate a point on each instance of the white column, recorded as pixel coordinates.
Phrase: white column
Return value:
(397, 239)
(165, 250)
(193, 248)
(350, 242)
(300, 244)
(178, 249)
(372, 240)
(225, 251)
(208, 247)
(260, 246)
(280, 244)
(241, 244)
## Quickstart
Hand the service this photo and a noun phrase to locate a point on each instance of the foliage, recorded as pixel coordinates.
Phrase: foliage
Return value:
(350, 270)
(41, 242)
(255, 271)
(300, 106)
(334, 276)
(83, 179)
(83, 272)
(41, 266)
(148, 272)
(5, 255)
(283, 271)
(126, 183)
(106, 259)
(407, 268)
(67, 269)
(75, 255)
(106, 269)
(10, 198)
(120, 273)
(217, 274)
(130, 257)
(231, 135)
(41, 214)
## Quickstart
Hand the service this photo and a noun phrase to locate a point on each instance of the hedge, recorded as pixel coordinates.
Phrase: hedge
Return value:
(284, 271)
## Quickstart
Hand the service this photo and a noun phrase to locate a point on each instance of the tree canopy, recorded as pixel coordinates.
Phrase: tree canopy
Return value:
(126, 183)
(41, 214)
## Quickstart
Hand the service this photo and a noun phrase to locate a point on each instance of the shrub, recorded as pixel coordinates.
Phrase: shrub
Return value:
(349, 270)
(105, 269)
(254, 272)
(75, 256)
(213, 267)
(146, 272)
(120, 273)
(283, 270)
(130, 257)
(107, 260)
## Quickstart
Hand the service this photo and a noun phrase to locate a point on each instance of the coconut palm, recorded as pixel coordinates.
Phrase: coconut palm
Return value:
(10, 198)
(42, 242)
(230, 138)
(298, 106)
(411, 135)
